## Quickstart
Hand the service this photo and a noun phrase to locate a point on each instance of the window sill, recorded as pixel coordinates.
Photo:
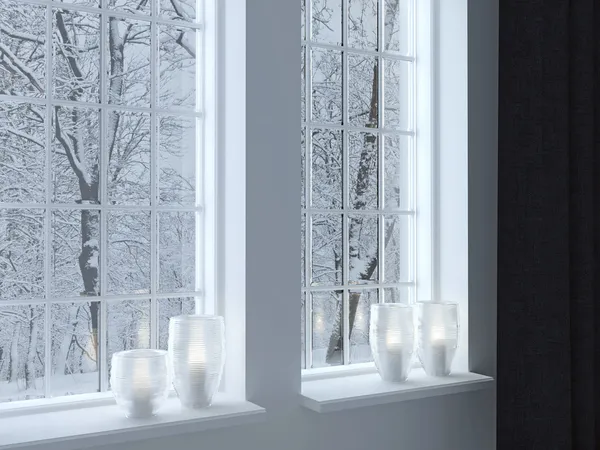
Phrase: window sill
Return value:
(349, 392)
(76, 428)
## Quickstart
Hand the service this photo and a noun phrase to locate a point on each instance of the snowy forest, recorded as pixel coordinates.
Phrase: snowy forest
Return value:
(98, 207)
(356, 232)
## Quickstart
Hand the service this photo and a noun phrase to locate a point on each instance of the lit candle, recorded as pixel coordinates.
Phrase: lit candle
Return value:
(142, 389)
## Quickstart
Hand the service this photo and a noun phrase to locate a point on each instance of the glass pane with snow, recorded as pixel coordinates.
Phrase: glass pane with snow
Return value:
(303, 250)
(22, 363)
(177, 67)
(363, 167)
(327, 21)
(76, 155)
(363, 234)
(128, 252)
(128, 144)
(128, 326)
(131, 7)
(177, 251)
(23, 39)
(397, 253)
(75, 348)
(326, 249)
(397, 166)
(129, 66)
(178, 152)
(171, 307)
(303, 19)
(360, 302)
(179, 9)
(22, 254)
(75, 254)
(397, 94)
(22, 152)
(327, 325)
(326, 66)
(400, 294)
(363, 96)
(326, 169)
(303, 331)
(76, 55)
(362, 24)
(398, 33)
(302, 168)
(91, 3)
(303, 83)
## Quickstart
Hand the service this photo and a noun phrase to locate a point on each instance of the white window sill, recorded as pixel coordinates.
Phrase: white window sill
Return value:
(77, 428)
(348, 392)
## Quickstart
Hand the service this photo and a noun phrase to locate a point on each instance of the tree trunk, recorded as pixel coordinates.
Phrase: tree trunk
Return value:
(31, 350)
(14, 353)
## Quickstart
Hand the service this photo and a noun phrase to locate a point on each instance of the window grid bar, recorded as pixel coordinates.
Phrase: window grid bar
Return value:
(308, 322)
(413, 181)
(358, 51)
(115, 13)
(381, 212)
(103, 106)
(48, 215)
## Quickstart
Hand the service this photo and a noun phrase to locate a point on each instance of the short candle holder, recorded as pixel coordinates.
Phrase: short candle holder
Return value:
(437, 337)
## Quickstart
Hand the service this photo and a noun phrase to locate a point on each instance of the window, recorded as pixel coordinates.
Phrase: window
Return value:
(106, 187)
(359, 174)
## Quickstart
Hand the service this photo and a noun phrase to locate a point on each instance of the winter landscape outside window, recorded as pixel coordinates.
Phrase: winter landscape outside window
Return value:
(358, 171)
(103, 191)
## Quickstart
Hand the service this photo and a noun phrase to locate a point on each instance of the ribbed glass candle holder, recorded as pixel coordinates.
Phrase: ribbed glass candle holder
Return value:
(140, 381)
(197, 357)
(437, 337)
(392, 340)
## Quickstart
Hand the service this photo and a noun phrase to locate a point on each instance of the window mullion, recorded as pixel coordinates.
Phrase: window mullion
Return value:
(345, 188)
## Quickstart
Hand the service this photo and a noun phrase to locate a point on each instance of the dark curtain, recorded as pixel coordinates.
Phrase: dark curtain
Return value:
(549, 225)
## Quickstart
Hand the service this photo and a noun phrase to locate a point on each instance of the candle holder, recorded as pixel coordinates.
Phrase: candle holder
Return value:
(140, 381)
(392, 338)
(197, 357)
(437, 337)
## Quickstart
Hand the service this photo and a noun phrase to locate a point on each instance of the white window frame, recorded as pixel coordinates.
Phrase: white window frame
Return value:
(210, 271)
(424, 183)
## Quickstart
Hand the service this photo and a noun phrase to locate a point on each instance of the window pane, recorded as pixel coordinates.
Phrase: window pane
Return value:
(177, 251)
(360, 312)
(132, 7)
(303, 331)
(178, 9)
(171, 307)
(128, 253)
(128, 326)
(303, 19)
(177, 55)
(75, 349)
(21, 254)
(362, 91)
(22, 152)
(397, 82)
(129, 158)
(303, 84)
(398, 295)
(362, 24)
(303, 168)
(21, 352)
(363, 251)
(327, 21)
(303, 250)
(76, 55)
(363, 157)
(128, 57)
(326, 86)
(75, 253)
(397, 167)
(326, 249)
(75, 155)
(398, 26)
(397, 248)
(327, 329)
(23, 40)
(81, 2)
(177, 160)
(326, 173)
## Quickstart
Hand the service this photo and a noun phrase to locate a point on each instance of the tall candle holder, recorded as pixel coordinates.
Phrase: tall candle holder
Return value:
(140, 381)
(392, 337)
(197, 357)
(437, 337)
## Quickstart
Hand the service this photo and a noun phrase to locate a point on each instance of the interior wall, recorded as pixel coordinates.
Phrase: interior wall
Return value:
(457, 422)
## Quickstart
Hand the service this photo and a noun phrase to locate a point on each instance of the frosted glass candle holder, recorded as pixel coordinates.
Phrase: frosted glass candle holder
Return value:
(197, 357)
(437, 337)
(140, 381)
(392, 340)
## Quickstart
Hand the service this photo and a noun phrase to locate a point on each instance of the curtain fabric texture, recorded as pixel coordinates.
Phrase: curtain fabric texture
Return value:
(549, 225)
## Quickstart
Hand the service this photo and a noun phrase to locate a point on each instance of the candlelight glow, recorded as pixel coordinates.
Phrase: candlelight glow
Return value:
(438, 333)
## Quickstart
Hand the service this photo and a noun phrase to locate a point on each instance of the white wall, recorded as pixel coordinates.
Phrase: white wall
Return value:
(458, 422)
